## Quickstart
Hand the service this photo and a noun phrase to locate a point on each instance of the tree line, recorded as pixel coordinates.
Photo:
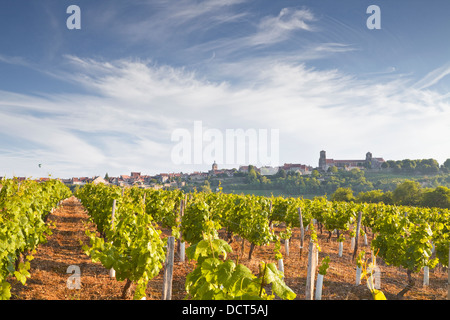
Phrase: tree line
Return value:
(383, 182)
(407, 193)
(423, 166)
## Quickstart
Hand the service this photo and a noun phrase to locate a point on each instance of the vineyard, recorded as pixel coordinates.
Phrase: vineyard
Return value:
(164, 244)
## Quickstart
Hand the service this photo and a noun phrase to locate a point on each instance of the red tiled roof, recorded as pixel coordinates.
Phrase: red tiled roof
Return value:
(343, 161)
(288, 166)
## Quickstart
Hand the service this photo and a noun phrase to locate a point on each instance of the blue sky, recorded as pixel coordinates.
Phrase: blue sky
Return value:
(108, 97)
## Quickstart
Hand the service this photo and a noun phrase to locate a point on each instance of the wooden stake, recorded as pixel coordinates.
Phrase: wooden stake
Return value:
(270, 211)
(143, 200)
(374, 259)
(168, 270)
(252, 247)
(448, 281)
(181, 245)
(312, 256)
(113, 213)
(358, 227)
(112, 272)
(302, 231)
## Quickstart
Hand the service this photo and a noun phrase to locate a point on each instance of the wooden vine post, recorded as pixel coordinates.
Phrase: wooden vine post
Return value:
(302, 231)
(168, 269)
(312, 263)
(181, 244)
(252, 247)
(358, 228)
(448, 281)
(270, 213)
(112, 272)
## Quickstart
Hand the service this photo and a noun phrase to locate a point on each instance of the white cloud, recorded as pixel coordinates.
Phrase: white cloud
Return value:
(125, 120)
(276, 29)
(269, 31)
(433, 77)
(14, 60)
(166, 19)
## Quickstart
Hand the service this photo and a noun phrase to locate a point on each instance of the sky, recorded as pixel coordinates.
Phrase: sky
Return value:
(154, 86)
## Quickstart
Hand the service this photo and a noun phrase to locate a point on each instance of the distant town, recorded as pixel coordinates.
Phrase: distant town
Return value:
(177, 180)
(174, 180)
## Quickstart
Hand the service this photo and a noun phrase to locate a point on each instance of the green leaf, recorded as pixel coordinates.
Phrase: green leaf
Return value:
(273, 276)
(378, 295)
(225, 271)
(22, 276)
(241, 272)
(209, 269)
(5, 291)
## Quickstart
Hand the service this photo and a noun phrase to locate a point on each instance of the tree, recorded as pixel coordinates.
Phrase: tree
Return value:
(281, 173)
(315, 173)
(395, 165)
(372, 196)
(390, 163)
(408, 193)
(388, 198)
(439, 197)
(332, 169)
(427, 166)
(356, 173)
(408, 165)
(206, 187)
(343, 194)
(252, 175)
(447, 164)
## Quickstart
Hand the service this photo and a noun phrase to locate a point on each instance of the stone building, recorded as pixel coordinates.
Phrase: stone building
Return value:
(368, 163)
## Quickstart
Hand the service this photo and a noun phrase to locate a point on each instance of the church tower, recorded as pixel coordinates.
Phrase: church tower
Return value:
(323, 160)
(369, 160)
(214, 166)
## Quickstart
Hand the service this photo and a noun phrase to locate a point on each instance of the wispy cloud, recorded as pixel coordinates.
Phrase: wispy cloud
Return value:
(167, 20)
(272, 30)
(266, 33)
(333, 47)
(20, 61)
(433, 77)
(125, 119)
(200, 28)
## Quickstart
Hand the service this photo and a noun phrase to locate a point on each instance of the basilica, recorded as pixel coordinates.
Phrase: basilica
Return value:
(368, 163)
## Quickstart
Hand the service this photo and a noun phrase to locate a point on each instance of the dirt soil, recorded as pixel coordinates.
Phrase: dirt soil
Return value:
(51, 261)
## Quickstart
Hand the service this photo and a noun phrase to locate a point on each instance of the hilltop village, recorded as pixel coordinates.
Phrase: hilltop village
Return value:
(371, 178)
(177, 180)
